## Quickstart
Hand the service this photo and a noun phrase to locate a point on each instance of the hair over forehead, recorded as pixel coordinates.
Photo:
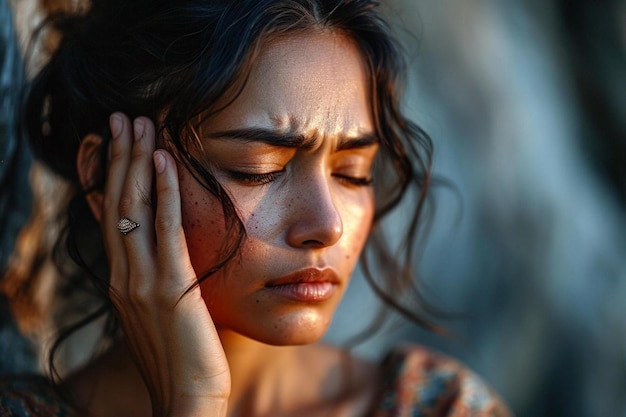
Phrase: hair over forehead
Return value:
(144, 57)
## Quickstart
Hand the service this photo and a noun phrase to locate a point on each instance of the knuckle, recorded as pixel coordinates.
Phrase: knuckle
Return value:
(165, 225)
(125, 205)
(117, 154)
(165, 188)
(144, 195)
(139, 152)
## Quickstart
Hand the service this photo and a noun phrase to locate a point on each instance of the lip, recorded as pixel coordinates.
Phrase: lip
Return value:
(311, 285)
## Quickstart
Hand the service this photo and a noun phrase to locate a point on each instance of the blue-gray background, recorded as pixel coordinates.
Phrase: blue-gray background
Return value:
(526, 103)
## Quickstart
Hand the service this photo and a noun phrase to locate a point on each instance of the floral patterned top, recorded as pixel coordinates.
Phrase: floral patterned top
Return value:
(31, 396)
(418, 383)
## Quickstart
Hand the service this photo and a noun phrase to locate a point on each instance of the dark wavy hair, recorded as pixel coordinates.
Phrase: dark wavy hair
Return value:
(143, 57)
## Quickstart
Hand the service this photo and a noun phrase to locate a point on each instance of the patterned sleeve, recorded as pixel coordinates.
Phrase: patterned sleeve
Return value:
(421, 383)
(31, 396)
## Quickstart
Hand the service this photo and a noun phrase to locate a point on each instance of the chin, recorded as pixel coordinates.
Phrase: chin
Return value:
(293, 338)
(293, 329)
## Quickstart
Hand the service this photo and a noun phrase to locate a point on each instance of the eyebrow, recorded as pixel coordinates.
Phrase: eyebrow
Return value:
(290, 140)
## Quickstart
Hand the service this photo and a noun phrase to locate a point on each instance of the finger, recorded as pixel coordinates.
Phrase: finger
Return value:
(119, 157)
(136, 201)
(170, 236)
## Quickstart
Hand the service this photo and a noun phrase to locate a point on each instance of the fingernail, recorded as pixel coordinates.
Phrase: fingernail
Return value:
(159, 161)
(139, 125)
(116, 123)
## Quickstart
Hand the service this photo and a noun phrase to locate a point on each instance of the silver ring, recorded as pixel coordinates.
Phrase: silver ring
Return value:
(126, 225)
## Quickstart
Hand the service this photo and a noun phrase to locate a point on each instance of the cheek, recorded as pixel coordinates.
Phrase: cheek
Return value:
(357, 215)
(352, 246)
(262, 212)
(203, 223)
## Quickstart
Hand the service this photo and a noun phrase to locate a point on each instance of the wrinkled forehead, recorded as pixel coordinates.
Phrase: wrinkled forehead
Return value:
(316, 83)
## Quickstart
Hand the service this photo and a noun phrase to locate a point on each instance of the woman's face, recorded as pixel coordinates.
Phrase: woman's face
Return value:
(295, 152)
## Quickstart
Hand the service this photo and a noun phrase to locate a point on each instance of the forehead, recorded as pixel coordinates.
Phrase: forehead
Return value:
(326, 56)
(314, 83)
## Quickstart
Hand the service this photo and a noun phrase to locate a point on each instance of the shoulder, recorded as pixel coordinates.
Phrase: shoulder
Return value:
(421, 382)
(30, 396)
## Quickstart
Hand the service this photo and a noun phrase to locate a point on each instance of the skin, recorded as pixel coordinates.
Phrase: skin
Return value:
(311, 215)
(303, 206)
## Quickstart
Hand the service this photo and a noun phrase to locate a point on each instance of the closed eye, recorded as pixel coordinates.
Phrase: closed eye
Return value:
(357, 181)
(251, 178)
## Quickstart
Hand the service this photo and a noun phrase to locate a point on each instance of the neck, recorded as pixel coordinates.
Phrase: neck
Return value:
(256, 369)
(264, 379)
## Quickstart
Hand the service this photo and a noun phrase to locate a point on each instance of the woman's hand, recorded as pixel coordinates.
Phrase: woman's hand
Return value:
(173, 340)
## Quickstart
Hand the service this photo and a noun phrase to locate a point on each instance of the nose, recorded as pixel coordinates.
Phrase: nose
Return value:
(315, 220)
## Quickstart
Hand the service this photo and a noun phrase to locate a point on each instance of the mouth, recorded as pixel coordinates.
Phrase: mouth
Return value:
(309, 285)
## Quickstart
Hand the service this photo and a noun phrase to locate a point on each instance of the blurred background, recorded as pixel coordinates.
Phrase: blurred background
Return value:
(526, 103)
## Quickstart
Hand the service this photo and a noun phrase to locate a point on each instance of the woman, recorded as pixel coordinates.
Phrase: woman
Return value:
(230, 160)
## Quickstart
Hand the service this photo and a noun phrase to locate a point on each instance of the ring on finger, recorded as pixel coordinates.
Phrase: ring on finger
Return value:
(126, 225)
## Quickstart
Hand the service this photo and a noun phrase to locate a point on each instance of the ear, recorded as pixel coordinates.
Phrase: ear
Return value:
(90, 172)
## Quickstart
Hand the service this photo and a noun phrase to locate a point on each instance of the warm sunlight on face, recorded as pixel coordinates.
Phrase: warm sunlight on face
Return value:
(295, 152)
